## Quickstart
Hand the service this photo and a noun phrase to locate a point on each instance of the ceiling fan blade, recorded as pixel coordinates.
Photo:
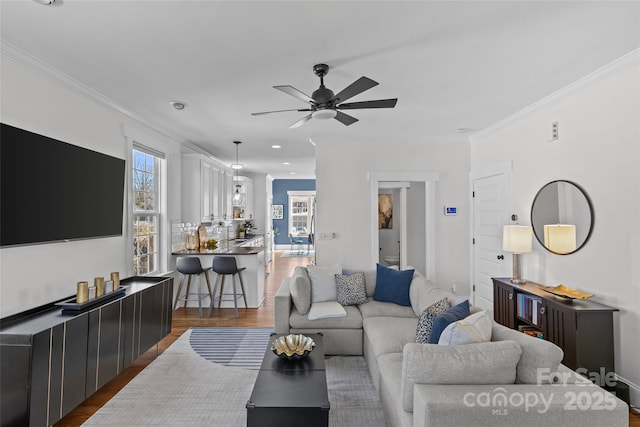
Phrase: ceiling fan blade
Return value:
(300, 122)
(355, 88)
(378, 103)
(277, 111)
(290, 90)
(345, 119)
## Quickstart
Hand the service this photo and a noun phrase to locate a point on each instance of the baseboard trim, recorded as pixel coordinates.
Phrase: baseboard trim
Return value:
(634, 394)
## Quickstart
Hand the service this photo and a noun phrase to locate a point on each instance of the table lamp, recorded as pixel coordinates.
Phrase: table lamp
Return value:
(517, 239)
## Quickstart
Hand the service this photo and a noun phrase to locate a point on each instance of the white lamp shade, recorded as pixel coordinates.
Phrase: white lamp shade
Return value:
(560, 238)
(517, 238)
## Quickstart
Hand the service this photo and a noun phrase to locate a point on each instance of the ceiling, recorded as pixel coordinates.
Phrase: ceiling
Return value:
(451, 64)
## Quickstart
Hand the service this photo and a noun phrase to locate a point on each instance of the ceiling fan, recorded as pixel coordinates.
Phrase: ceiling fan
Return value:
(323, 104)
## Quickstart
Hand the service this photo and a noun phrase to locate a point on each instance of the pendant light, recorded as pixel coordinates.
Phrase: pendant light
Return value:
(237, 197)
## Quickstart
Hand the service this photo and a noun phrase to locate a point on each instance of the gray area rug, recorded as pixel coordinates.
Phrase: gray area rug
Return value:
(235, 347)
(181, 388)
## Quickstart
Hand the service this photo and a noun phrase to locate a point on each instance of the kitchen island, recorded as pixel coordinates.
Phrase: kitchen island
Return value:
(249, 253)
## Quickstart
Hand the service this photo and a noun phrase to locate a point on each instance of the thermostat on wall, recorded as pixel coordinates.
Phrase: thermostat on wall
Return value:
(449, 210)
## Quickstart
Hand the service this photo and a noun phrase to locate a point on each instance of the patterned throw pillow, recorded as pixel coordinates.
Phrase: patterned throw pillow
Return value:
(425, 322)
(351, 289)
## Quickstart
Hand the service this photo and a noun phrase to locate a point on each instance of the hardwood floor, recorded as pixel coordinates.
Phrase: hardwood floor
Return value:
(183, 319)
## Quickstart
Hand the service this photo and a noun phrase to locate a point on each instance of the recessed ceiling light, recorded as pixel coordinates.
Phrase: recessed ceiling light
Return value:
(45, 2)
(178, 105)
(276, 146)
(286, 163)
(292, 173)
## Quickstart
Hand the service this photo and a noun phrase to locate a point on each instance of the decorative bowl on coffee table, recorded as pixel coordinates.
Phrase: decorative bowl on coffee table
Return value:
(293, 346)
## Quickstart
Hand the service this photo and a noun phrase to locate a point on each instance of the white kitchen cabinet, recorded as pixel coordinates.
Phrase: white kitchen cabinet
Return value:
(206, 189)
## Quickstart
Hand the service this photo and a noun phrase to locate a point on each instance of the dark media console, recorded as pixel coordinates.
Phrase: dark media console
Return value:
(51, 362)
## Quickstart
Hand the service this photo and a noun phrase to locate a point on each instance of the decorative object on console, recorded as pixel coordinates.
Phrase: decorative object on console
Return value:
(393, 285)
(115, 280)
(98, 282)
(82, 294)
(565, 292)
(560, 238)
(516, 239)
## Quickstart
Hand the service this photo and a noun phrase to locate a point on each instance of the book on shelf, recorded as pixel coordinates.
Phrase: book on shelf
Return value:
(531, 331)
(528, 308)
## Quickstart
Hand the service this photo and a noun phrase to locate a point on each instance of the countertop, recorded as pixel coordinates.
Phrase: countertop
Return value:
(234, 248)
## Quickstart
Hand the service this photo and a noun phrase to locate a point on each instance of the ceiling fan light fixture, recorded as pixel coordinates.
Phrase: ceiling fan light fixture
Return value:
(324, 114)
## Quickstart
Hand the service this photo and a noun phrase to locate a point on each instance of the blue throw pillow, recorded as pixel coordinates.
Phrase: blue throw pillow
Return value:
(455, 313)
(392, 285)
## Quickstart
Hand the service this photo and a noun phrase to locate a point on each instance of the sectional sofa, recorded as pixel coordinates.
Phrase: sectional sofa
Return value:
(514, 379)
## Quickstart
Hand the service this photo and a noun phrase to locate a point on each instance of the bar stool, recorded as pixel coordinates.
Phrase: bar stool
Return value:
(189, 266)
(224, 265)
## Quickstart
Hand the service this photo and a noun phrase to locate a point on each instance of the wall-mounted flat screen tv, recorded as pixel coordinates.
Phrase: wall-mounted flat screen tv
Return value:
(51, 191)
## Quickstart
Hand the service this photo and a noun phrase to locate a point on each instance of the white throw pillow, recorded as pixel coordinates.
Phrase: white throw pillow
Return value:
(323, 282)
(475, 328)
(322, 310)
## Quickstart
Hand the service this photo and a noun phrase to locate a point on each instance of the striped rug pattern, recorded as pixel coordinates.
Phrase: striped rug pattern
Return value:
(234, 347)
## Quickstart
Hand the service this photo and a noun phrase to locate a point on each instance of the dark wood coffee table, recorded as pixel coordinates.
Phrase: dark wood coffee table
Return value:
(290, 393)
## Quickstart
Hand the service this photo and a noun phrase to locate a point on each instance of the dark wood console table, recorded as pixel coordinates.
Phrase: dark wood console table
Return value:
(583, 329)
(51, 362)
(290, 393)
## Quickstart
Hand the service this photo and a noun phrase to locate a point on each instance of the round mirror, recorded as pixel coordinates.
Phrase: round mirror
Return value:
(562, 217)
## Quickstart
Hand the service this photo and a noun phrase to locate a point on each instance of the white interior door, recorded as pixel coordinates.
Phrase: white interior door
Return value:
(490, 212)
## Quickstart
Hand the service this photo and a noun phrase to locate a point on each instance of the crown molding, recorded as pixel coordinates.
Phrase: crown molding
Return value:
(620, 64)
(19, 56)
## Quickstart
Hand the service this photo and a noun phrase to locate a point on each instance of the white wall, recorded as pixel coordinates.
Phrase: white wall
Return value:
(344, 200)
(416, 227)
(38, 274)
(599, 149)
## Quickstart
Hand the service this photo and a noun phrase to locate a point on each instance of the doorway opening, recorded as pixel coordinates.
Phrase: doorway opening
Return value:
(405, 236)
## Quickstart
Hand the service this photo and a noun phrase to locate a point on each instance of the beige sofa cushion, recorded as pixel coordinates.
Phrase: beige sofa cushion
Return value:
(373, 308)
(389, 334)
(536, 353)
(423, 293)
(484, 363)
(300, 289)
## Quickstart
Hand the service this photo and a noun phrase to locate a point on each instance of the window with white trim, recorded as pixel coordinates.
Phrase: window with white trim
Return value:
(146, 212)
(301, 205)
